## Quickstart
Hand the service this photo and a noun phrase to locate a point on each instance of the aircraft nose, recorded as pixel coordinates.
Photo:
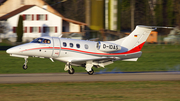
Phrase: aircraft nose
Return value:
(13, 50)
(9, 51)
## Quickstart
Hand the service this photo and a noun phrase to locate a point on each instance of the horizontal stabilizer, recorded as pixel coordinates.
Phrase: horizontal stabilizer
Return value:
(133, 59)
(155, 27)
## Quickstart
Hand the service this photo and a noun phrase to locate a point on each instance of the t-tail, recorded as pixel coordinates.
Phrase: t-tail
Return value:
(135, 41)
(138, 37)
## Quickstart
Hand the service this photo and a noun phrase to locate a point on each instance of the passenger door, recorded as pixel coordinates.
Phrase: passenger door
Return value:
(56, 47)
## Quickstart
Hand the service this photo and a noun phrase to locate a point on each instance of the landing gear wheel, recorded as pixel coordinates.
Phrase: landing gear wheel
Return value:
(25, 67)
(71, 71)
(91, 72)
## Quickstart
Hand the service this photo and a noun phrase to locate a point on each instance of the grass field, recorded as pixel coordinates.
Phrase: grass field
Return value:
(154, 58)
(92, 91)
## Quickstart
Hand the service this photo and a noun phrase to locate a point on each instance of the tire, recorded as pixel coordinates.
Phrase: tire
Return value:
(71, 71)
(25, 67)
(91, 72)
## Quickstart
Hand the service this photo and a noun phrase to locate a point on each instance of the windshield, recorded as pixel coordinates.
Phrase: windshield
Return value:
(41, 40)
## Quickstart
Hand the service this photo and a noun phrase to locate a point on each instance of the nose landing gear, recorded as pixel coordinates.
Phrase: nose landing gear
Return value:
(25, 64)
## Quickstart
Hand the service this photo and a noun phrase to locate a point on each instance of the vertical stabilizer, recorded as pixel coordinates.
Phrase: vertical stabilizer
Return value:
(137, 37)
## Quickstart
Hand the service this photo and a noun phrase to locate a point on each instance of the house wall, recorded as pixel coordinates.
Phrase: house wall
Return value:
(74, 27)
(11, 5)
(51, 21)
(70, 27)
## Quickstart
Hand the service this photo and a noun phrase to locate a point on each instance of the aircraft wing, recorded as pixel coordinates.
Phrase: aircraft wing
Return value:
(94, 59)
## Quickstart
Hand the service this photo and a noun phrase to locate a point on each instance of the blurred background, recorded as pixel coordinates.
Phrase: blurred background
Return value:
(89, 19)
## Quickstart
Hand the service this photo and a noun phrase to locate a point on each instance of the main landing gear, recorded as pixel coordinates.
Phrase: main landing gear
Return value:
(88, 68)
(69, 68)
(91, 72)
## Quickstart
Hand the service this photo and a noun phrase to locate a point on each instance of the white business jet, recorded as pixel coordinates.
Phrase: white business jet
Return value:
(85, 53)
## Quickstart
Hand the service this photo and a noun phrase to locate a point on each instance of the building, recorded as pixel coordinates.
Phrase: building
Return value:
(11, 5)
(96, 14)
(112, 15)
(104, 14)
(38, 20)
(104, 17)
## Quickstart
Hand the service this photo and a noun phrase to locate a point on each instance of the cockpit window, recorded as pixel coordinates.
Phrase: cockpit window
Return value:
(38, 40)
(41, 40)
(46, 41)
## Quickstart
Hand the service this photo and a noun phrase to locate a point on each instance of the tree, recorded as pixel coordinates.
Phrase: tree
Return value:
(177, 12)
(72, 9)
(19, 29)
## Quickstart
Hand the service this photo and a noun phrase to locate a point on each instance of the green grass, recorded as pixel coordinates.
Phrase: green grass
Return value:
(154, 58)
(92, 91)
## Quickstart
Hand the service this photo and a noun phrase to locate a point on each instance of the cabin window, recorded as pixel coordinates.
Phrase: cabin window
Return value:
(86, 46)
(78, 45)
(71, 45)
(64, 44)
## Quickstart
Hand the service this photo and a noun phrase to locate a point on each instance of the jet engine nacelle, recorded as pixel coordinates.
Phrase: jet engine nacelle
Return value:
(108, 47)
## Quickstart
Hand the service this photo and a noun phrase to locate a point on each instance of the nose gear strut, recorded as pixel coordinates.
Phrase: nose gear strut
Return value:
(25, 64)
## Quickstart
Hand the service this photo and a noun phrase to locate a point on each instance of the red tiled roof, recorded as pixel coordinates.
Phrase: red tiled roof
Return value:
(19, 10)
(8, 15)
(73, 21)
